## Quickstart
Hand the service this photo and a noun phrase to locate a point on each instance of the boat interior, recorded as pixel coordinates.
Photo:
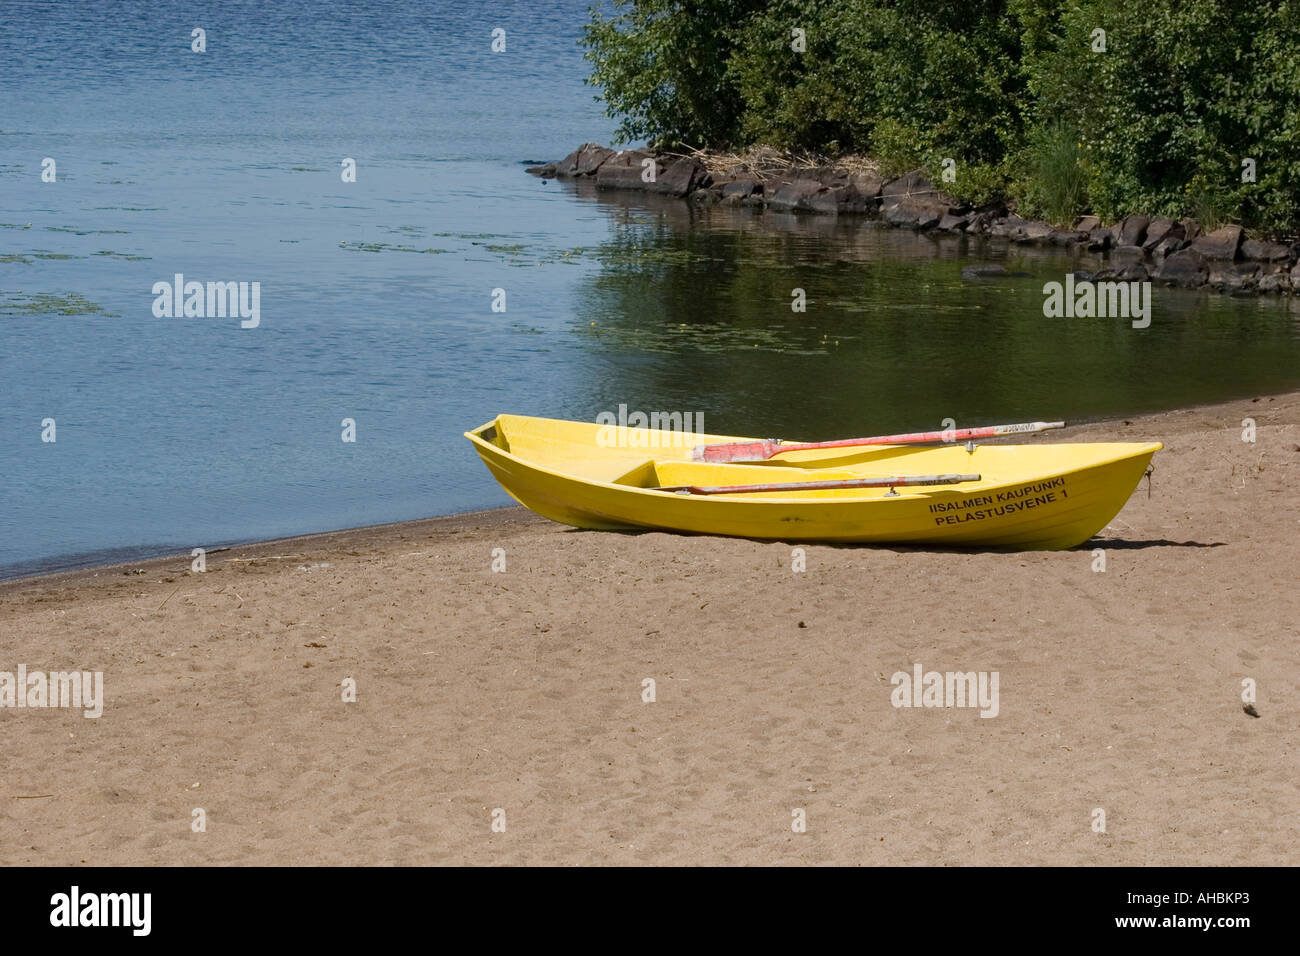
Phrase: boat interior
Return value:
(641, 458)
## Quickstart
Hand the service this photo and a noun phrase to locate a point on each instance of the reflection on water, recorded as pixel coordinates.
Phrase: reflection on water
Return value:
(693, 310)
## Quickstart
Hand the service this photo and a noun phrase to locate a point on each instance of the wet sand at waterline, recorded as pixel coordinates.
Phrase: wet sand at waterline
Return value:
(522, 690)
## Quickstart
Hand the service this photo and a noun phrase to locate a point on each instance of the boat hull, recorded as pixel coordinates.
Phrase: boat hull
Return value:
(1063, 496)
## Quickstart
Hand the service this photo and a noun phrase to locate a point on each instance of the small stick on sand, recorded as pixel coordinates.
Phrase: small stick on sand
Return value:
(167, 598)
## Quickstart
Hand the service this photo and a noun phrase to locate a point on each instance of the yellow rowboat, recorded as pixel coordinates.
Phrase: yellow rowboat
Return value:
(611, 477)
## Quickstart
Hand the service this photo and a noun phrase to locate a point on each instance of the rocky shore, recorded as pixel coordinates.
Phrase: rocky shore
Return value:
(1173, 252)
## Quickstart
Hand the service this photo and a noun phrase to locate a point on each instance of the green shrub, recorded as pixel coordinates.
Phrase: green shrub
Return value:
(980, 183)
(1055, 187)
(1185, 90)
(899, 147)
(1012, 90)
(662, 68)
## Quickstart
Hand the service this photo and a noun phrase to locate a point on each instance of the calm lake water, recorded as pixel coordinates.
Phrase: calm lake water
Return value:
(376, 296)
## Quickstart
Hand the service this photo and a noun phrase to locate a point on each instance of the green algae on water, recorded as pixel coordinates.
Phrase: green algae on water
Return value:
(44, 303)
(86, 232)
(388, 247)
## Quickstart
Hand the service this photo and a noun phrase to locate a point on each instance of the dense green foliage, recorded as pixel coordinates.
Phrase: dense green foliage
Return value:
(1016, 92)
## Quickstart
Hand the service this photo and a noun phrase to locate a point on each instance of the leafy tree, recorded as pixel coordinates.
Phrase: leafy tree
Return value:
(662, 68)
(1017, 92)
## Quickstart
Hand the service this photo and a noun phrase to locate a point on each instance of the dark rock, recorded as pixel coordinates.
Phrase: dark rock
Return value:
(1132, 230)
(1006, 226)
(583, 161)
(1035, 232)
(1221, 244)
(915, 187)
(992, 270)
(911, 185)
(821, 189)
(624, 170)
(951, 223)
(738, 189)
(867, 183)
(1191, 229)
(1010, 226)
(1101, 239)
(1232, 279)
(1273, 284)
(678, 176)
(914, 213)
(899, 214)
(840, 200)
(792, 194)
(1082, 275)
(546, 171)
(806, 192)
(1121, 257)
(1160, 229)
(1264, 251)
(1067, 237)
(1185, 267)
(929, 215)
(1168, 245)
(1136, 272)
(590, 157)
(1087, 224)
(826, 175)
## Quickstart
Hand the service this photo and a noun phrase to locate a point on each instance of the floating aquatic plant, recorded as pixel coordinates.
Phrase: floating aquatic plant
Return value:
(45, 303)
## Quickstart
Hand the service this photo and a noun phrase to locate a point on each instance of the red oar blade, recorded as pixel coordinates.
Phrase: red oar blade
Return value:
(897, 481)
(737, 451)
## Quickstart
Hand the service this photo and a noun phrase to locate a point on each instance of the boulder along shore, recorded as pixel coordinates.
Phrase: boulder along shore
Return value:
(1138, 248)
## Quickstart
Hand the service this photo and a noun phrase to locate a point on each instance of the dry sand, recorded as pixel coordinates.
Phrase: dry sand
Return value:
(522, 690)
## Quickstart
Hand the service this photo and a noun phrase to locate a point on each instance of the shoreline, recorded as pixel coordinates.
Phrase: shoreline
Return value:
(149, 558)
(515, 514)
(1137, 248)
(247, 549)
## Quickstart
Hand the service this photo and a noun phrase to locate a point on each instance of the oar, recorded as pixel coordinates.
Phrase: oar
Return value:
(896, 481)
(766, 448)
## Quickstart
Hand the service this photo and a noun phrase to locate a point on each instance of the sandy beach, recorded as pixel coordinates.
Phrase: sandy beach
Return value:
(521, 690)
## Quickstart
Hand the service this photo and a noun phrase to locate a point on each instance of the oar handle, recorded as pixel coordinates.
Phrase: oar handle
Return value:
(897, 481)
(948, 435)
(762, 450)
